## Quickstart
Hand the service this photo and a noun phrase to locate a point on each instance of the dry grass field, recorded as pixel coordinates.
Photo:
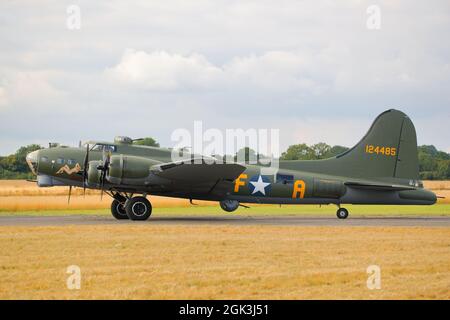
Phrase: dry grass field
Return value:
(19, 195)
(216, 262)
(224, 262)
(441, 188)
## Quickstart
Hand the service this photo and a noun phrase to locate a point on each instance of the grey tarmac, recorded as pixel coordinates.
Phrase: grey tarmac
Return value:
(236, 220)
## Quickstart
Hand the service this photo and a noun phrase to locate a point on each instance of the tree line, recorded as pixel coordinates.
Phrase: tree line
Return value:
(433, 164)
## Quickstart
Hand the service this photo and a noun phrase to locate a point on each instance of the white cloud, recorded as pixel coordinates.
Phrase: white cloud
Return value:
(332, 130)
(325, 70)
(30, 90)
(230, 63)
(161, 70)
(3, 98)
(274, 71)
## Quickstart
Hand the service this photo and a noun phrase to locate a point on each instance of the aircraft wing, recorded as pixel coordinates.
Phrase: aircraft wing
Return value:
(198, 171)
(378, 186)
(189, 178)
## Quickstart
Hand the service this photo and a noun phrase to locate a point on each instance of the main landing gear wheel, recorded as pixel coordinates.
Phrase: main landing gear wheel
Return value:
(229, 205)
(118, 210)
(138, 208)
(342, 213)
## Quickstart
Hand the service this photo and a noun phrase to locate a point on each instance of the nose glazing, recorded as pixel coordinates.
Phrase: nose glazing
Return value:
(32, 161)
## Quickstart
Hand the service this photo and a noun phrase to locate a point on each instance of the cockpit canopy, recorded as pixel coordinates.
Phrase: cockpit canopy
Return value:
(108, 146)
(104, 147)
(100, 146)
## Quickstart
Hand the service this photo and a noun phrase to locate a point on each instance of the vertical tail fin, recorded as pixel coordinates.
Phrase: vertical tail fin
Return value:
(388, 150)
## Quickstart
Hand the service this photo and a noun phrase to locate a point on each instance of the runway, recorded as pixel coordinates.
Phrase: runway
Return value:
(228, 220)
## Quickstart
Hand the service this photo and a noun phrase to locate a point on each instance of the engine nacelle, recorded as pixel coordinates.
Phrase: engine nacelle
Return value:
(129, 169)
(93, 174)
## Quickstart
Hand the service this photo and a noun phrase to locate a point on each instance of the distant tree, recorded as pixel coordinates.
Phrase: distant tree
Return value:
(21, 155)
(433, 152)
(148, 141)
(247, 154)
(428, 149)
(426, 162)
(317, 151)
(298, 152)
(321, 150)
(433, 164)
(15, 166)
(443, 169)
(336, 150)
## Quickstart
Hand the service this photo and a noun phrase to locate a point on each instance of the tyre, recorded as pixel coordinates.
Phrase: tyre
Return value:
(342, 213)
(118, 210)
(229, 205)
(138, 208)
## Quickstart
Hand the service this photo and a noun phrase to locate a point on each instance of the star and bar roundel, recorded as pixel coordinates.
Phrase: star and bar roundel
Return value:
(259, 185)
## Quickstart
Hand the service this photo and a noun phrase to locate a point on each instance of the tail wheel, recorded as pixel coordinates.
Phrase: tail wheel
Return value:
(138, 208)
(118, 210)
(342, 213)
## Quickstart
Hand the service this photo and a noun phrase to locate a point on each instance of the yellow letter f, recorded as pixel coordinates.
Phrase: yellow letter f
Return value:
(238, 182)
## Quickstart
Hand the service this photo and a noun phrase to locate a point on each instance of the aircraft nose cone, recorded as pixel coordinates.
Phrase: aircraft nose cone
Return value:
(32, 156)
(32, 161)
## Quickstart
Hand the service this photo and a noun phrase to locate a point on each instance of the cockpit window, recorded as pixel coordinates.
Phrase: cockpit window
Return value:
(111, 148)
(60, 161)
(71, 162)
(97, 147)
(105, 147)
(44, 159)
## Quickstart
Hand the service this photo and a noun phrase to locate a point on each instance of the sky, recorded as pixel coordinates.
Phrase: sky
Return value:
(315, 70)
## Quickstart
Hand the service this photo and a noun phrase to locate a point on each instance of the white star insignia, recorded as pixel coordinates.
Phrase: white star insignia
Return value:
(259, 185)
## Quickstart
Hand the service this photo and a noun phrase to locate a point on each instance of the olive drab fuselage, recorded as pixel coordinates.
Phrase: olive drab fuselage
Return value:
(381, 169)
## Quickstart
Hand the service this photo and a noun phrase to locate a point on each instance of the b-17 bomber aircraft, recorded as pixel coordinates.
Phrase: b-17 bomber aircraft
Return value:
(381, 169)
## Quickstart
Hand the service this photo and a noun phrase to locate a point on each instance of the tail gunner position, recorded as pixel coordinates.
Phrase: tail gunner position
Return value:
(381, 169)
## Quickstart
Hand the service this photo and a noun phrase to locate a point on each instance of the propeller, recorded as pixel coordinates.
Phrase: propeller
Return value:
(85, 168)
(104, 168)
(70, 192)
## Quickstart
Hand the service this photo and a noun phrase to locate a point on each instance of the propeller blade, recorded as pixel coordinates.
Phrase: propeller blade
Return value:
(104, 168)
(86, 162)
(102, 182)
(70, 192)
